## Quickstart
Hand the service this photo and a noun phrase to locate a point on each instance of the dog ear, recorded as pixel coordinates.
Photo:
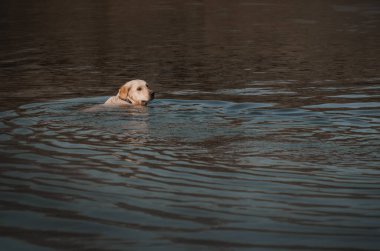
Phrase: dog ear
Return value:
(123, 91)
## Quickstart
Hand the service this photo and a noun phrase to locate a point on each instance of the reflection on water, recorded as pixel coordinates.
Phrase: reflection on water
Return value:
(203, 173)
(264, 135)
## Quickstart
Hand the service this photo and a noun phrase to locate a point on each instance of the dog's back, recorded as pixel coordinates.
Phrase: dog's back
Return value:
(115, 100)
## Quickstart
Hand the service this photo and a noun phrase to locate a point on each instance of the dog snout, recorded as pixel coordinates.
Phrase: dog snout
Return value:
(152, 95)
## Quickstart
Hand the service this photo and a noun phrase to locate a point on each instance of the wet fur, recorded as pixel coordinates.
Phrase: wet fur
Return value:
(135, 92)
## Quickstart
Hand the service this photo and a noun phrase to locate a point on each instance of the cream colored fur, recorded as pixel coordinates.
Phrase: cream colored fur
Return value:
(135, 92)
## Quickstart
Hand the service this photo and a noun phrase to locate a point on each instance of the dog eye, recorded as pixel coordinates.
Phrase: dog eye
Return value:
(139, 89)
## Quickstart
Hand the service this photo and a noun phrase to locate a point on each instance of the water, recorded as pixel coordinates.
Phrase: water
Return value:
(264, 134)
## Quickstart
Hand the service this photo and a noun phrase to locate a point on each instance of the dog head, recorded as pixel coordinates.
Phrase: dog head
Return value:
(136, 92)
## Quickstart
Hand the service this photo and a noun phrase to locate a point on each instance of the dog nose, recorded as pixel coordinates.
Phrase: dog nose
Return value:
(152, 95)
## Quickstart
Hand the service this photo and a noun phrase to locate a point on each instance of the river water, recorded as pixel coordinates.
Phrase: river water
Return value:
(264, 134)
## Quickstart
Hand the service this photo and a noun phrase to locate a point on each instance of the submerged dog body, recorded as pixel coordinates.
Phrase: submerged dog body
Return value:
(135, 92)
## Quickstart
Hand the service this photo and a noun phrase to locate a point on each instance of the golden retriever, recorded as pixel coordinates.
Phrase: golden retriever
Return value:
(135, 92)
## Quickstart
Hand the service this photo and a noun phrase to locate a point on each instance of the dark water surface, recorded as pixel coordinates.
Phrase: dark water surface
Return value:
(264, 134)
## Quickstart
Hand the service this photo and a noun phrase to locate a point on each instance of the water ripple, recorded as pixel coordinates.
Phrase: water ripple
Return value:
(179, 169)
